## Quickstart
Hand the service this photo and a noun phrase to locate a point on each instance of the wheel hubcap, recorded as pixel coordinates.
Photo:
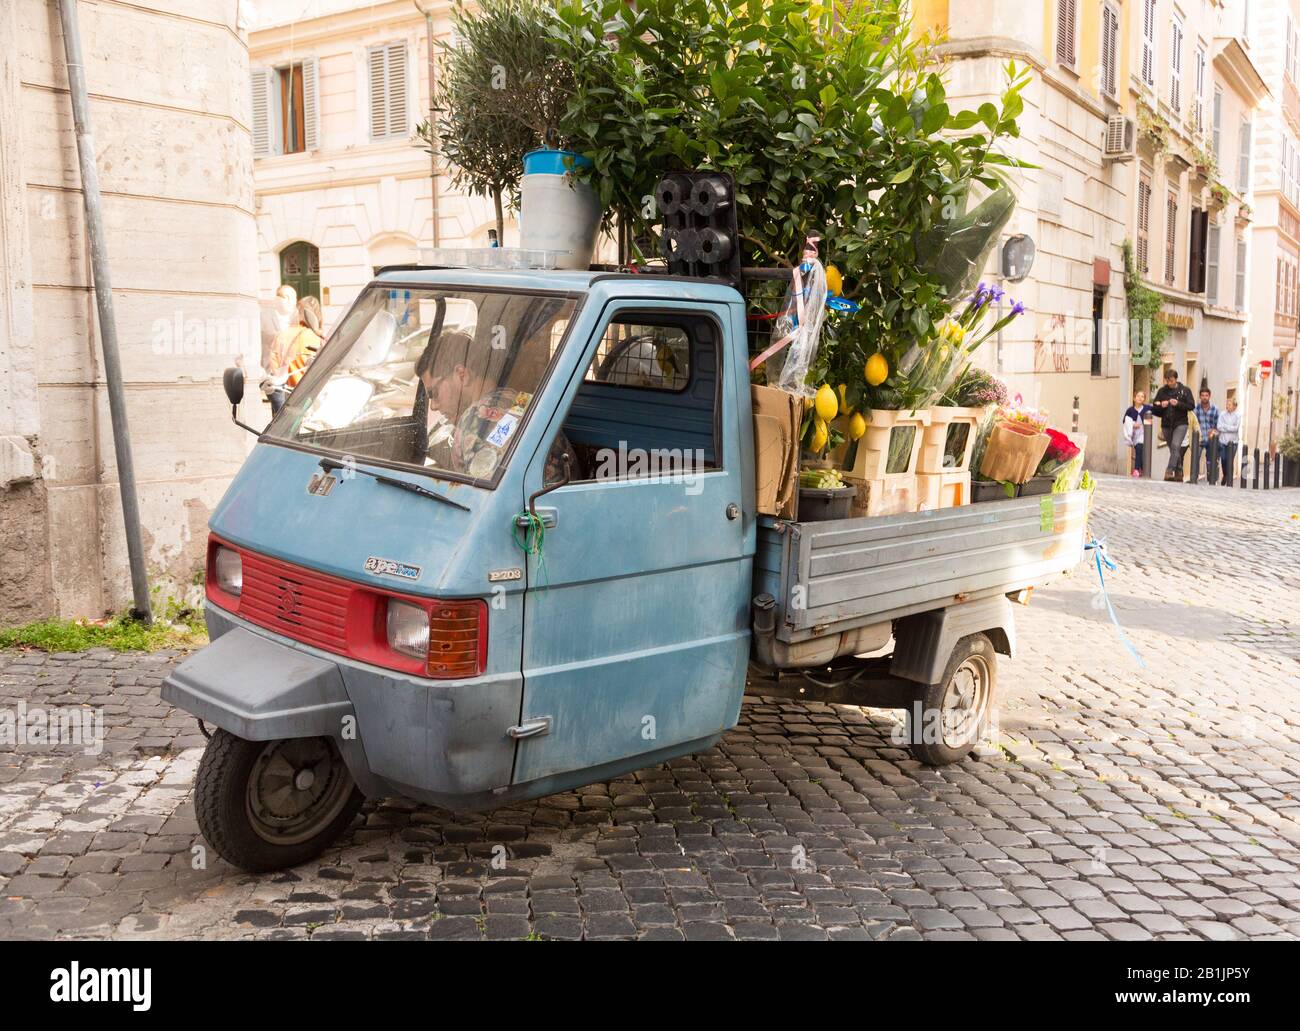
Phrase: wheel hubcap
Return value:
(295, 789)
(964, 702)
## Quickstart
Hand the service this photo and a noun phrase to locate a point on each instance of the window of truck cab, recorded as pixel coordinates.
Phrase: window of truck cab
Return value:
(439, 380)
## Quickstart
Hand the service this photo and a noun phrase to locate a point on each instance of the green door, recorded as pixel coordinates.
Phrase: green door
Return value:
(300, 268)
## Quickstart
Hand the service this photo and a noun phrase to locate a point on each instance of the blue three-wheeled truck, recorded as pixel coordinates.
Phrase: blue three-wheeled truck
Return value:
(502, 542)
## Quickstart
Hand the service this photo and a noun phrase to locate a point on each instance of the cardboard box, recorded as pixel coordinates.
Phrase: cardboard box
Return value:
(778, 414)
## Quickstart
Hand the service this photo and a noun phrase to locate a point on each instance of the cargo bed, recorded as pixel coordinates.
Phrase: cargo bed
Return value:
(842, 574)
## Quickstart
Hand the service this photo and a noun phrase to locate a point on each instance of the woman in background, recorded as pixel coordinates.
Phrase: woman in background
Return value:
(292, 351)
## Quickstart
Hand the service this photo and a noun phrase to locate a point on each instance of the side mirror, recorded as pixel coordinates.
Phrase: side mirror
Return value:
(233, 381)
(548, 487)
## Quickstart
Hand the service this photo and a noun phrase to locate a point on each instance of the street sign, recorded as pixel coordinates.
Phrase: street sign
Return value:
(1265, 369)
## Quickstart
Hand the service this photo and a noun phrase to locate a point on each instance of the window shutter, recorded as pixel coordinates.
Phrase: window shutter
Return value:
(311, 103)
(1176, 67)
(1243, 159)
(1144, 226)
(397, 89)
(377, 59)
(387, 68)
(1171, 237)
(1217, 123)
(1066, 11)
(262, 91)
(1109, 51)
(1149, 42)
(1198, 101)
(1212, 264)
(1241, 274)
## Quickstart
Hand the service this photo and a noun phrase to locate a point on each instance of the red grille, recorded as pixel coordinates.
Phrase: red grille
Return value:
(306, 606)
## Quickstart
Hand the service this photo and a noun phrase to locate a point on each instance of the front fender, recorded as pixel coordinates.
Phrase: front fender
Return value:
(261, 690)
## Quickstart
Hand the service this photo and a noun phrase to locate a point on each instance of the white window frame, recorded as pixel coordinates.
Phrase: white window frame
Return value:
(1213, 245)
(1239, 297)
(266, 124)
(1198, 99)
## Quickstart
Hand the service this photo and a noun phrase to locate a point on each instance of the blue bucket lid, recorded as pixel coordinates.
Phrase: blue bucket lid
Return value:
(553, 162)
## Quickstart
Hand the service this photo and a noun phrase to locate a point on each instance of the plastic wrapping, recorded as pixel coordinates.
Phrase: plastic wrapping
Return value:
(955, 251)
(801, 318)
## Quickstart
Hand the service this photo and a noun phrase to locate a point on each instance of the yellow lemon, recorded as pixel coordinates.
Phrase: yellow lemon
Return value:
(843, 389)
(807, 403)
(827, 408)
(877, 369)
(819, 435)
(857, 426)
(834, 281)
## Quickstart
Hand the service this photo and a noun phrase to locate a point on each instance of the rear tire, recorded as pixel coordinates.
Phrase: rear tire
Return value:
(955, 711)
(268, 805)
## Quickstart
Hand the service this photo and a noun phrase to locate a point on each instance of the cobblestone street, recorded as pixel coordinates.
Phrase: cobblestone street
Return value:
(1122, 803)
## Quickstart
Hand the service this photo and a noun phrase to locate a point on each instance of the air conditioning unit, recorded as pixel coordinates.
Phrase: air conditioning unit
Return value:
(1121, 139)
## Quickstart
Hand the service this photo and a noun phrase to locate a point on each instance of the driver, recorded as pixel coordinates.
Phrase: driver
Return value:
(470, 426)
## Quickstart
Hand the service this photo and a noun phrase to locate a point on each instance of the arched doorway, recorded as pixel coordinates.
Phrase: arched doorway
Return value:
(300, 268)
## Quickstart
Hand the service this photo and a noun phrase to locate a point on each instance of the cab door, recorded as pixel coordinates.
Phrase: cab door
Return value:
(636, 616)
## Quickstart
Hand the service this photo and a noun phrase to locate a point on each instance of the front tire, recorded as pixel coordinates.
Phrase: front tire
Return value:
(955, 711)
(268, 805)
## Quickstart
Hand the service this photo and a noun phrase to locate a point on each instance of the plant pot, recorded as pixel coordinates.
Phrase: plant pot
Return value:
(987, 490)
(558, 212)
(1036, 485)
(817, 504)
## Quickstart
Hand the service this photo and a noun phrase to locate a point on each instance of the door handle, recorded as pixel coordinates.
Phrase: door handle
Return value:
(548, 516)
(535, 727)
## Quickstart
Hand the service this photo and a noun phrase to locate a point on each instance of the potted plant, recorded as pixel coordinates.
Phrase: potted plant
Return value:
(500, 97)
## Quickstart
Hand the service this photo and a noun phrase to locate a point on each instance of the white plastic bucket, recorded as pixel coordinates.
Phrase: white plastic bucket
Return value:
(558, 213)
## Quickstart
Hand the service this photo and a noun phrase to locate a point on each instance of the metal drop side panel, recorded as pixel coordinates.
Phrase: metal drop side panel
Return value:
(845, 573)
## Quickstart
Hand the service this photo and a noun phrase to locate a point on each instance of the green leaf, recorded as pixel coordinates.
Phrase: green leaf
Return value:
(903, 176)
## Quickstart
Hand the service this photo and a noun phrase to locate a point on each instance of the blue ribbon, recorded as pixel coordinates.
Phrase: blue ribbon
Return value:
(1098, 549)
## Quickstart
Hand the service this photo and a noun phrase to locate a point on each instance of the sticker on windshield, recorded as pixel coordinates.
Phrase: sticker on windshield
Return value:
(387, 567)
(501, 433)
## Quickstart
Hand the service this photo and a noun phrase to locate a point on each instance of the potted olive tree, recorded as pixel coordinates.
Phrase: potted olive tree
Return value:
(501, 93)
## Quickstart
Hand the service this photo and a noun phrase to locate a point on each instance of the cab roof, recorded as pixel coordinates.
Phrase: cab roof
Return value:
(608, 284)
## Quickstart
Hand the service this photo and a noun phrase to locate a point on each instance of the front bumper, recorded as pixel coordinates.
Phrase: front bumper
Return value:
(442, 742)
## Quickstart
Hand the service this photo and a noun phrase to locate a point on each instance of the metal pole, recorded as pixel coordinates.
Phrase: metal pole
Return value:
(104, 305)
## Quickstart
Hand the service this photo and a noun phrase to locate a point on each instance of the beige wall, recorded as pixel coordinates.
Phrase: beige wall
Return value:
(168, 105)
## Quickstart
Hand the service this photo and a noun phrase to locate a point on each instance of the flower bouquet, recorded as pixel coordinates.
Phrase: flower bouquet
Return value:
(1015, 445)
(1063, 461)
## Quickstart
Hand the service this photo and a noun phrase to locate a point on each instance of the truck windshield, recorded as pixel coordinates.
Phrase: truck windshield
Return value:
(437, 379)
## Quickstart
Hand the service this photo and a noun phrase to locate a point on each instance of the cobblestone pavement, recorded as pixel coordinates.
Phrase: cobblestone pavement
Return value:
(1121, 802)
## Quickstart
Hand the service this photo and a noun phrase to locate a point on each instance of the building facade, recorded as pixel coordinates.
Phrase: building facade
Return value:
(1275, 293)
(342, 187)
(167, 104)
(1139, 124)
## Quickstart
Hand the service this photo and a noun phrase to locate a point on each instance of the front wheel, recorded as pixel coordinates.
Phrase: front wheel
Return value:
(953, 713)
(267, 805)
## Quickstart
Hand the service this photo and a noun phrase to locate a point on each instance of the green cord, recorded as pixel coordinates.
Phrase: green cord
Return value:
(534, 537)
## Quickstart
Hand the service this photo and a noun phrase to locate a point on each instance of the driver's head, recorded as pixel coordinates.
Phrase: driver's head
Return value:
(453, 373)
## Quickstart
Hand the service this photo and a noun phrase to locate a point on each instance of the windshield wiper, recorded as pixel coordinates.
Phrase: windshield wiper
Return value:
(327, 464)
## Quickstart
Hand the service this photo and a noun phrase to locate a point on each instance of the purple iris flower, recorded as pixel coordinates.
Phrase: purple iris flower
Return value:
(1017, 308)
(996, 293)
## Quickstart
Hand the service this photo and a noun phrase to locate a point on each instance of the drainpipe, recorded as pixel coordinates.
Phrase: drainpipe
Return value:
(104, 305)
(433, 150)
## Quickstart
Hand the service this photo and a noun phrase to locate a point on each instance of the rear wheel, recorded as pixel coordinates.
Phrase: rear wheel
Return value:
(954, 712)
(267, 805)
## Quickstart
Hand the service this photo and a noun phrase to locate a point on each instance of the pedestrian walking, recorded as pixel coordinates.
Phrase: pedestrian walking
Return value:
(1207, 418)
(1172, 403)
(1229, 438)
(1136, 419)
